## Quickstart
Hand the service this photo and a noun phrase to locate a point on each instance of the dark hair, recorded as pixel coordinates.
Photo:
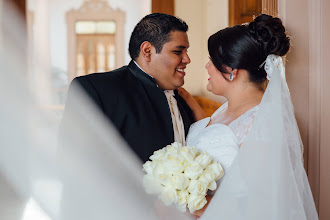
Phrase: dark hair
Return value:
(247, 46)
(156, 29)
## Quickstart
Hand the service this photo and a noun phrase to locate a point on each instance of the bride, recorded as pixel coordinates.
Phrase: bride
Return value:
(254, 134)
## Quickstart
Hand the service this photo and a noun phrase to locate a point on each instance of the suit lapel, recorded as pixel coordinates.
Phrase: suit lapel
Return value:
(157, 98)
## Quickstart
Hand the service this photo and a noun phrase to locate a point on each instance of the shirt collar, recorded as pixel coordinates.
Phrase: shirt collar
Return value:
(170, 92)
(145, 72)
(139, 73)
(142, 69)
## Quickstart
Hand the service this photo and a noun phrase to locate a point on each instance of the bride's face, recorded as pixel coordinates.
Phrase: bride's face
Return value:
(217, 83)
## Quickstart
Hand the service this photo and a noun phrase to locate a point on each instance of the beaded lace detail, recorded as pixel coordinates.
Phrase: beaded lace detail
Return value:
(242, 124)
(219, 140)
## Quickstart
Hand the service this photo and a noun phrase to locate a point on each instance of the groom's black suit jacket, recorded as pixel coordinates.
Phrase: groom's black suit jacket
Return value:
(136, 106)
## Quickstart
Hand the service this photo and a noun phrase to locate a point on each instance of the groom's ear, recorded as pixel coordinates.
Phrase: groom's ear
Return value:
(145, 50)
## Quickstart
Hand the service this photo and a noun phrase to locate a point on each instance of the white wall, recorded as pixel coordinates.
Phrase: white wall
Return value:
(134, 9)
(204, 17)
(307, 71)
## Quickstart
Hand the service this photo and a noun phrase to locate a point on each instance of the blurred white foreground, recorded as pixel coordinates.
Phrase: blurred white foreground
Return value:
(86, 172)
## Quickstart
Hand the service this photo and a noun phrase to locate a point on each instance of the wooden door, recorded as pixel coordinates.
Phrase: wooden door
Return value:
(242, 11)
(163, 6)
(20, 5)
(95, 53)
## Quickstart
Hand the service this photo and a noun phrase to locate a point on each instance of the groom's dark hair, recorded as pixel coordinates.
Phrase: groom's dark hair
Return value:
(156, 29)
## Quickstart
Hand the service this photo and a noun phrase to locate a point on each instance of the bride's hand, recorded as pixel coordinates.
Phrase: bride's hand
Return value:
(184, 94)
(197, 110)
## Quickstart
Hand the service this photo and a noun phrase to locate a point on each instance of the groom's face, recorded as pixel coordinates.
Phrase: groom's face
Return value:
(168, 66)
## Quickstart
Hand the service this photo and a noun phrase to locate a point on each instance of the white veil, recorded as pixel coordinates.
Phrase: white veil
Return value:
(267, 179)
(89, 174)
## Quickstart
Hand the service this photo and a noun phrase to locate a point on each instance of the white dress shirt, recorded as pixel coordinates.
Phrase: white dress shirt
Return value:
(178, 128)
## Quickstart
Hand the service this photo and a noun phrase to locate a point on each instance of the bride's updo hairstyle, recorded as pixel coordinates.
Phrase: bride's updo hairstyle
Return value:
(247, 46)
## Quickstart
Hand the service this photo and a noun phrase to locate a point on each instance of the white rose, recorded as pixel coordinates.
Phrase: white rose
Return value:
(174, 163)
(179, 181)
(212, 185)
(152, 185)
(196, 202)
(197, 187)
(161, 173)
(207, 176)
(157, 155)
(176, 144)
(149, 166)
(195, 151)
(168, 195)
(193, 169)
(204, 159)
(188, 153)
(182, 200)
(171, 149)
(216, 169)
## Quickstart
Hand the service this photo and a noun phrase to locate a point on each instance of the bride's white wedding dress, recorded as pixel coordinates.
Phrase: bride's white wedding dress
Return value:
(221, 141)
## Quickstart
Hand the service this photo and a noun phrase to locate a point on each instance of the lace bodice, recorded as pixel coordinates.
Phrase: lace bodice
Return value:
(221, 141)
(242, 124)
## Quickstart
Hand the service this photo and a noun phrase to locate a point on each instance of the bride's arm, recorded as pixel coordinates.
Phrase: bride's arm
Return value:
(197, 110)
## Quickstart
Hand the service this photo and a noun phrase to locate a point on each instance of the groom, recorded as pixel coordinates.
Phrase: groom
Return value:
(141, 99)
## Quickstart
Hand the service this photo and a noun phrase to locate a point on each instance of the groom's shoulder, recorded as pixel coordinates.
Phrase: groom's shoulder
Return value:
(104, 83)
(113, 77)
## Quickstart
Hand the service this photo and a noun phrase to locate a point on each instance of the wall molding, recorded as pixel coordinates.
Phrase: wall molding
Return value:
(324, 150)
(94, 10)
(312, 153)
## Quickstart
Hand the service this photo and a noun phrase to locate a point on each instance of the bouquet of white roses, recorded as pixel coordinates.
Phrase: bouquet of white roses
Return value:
(181, 175)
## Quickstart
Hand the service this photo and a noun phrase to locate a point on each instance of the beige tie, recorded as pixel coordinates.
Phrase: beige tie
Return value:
(177, 122)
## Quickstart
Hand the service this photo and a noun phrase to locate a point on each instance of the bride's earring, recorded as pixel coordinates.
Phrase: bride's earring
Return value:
(231, 76)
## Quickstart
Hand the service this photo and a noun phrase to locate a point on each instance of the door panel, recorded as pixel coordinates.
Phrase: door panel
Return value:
(242, 11)
(95, 53)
